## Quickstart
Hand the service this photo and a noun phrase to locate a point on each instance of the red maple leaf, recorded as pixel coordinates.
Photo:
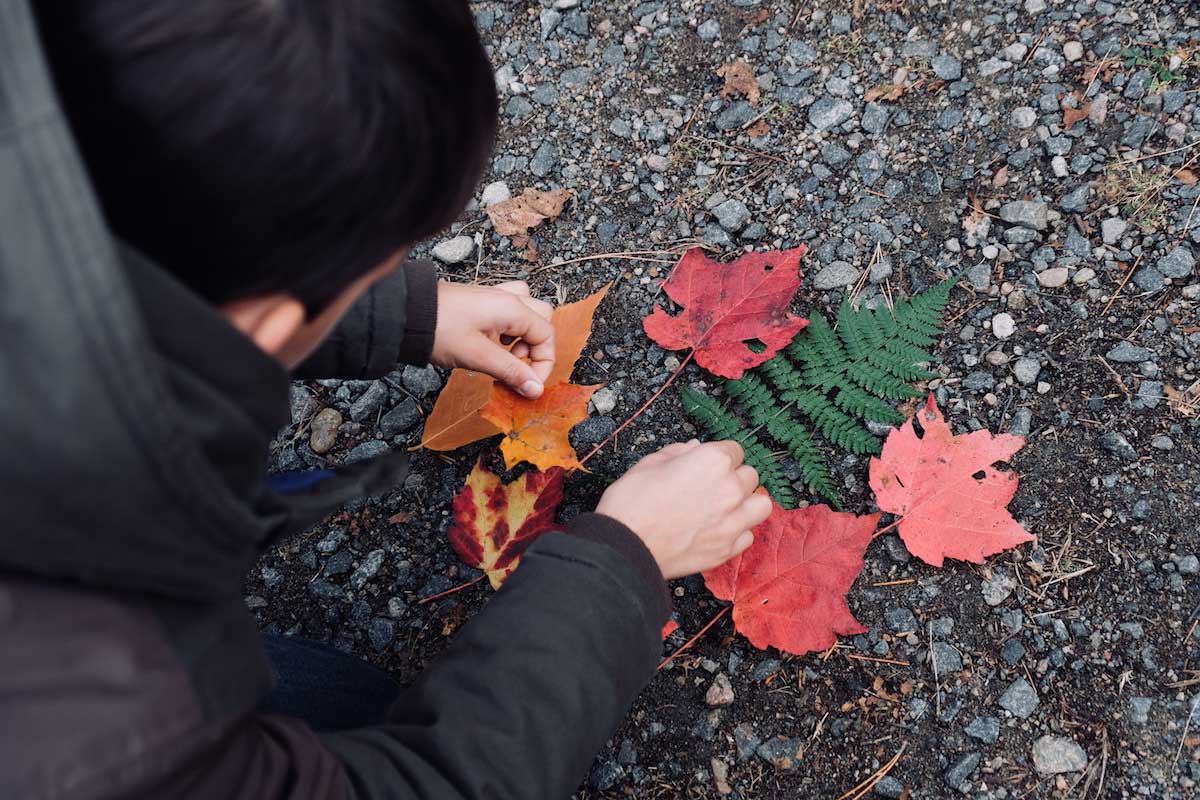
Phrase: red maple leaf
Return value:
(728, 306)
(951, 500)
(494, 523)
(789, 589)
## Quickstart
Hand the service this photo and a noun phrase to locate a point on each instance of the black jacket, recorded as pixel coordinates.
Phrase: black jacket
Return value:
(133, 445)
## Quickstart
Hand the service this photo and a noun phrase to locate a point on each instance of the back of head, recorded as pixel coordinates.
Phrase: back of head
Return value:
(253, 146)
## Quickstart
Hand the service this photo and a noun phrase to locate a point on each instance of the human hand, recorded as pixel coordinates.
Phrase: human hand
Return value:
(472, 323)
(693, 505)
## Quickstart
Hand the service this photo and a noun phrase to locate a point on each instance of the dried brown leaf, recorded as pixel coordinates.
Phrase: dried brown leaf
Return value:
(759, 129)
(517, 216)
(739, 79)
(1186, 176)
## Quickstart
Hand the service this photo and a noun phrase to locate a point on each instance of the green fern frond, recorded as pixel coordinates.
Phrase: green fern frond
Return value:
(765, 411)
(721, 424)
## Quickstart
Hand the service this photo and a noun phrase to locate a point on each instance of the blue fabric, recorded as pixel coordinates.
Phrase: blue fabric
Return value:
(328, 689)
(294, 482)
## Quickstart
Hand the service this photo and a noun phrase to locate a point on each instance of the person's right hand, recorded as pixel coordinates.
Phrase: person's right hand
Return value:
(692, 504)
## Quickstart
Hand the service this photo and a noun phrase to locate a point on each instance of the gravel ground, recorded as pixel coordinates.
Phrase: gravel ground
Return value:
(1066, 669)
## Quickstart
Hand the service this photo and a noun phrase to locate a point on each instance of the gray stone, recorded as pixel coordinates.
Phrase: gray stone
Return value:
(544, 160)
(900, 620)
(1148, 279)
(1053, 278)
(1139, 709)
(1118, 445)
(993, 66)
(836, 275)
(890, 788)
(875, 118)
(1019, 699)
(1150, 394)
(1022, 422)
(732, 215)
(1028, 213)
(1137, 130)
(958, 777)
(323, 430)
(709, 31)
(381, 632)
(1003, 326)
(1077, 199)
(834, 154)
(1026, 371)
(1055, 754)
(985, 729)
(720, 693)
(421, 381)
(782, 753)
(400, 418)
(366, 451)
(1126, 353)
(746, 740)
(604, 400)
(494, 193)
(1178, 263)
(1112, 229)
(1188, 565)
(829, 112)
(944, 659)
(998, 588)
(369, 402)
(454, 251)
(1012, 652)
(735, 116)
(368, 569)
(1163, 442)
(979, 381)
(946, 67)
(1023, 117)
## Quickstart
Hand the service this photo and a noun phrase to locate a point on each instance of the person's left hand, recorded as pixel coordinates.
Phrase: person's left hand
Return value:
(474, 321)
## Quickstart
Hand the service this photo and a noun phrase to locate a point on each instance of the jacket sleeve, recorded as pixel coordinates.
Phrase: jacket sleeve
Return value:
(531, 688)
(391, 324)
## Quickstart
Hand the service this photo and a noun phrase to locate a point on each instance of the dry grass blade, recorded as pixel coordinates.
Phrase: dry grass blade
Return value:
(860, 791)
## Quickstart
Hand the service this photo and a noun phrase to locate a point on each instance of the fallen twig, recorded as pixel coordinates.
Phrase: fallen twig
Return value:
(692, 640)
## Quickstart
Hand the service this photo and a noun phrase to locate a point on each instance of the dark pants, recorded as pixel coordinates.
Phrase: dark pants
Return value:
(325, 687)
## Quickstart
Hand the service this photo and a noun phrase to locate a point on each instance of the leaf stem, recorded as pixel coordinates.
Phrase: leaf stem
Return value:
(884, 530)
(699, 633)
(452, 590)
(612, 436)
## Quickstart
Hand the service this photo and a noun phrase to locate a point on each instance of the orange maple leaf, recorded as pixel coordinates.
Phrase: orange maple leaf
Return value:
(951, 500)
(739, 79)
(495, 523)
(536, 430)
(455, 420)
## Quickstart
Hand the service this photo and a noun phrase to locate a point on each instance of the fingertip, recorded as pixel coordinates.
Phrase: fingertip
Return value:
(531, 389)
(743, 542)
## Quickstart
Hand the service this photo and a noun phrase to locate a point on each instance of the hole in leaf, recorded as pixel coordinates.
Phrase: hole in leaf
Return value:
(769, 268)
(1001, 466)
(756, 345)
(979, 475)
(918, 428)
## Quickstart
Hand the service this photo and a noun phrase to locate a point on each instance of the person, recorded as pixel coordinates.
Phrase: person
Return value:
(197, 199)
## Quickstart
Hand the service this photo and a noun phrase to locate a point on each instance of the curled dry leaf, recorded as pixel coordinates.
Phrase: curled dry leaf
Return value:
(537, 430)
(739, 79)
(759, 129)
(1185, 403)
(1186, 176)
(1072, 115)
(495, 523)
(951, 500)
(729, 306)
(789, 589)
(516, 216)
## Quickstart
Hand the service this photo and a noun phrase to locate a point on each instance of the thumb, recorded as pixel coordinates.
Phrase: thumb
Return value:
(492, 359)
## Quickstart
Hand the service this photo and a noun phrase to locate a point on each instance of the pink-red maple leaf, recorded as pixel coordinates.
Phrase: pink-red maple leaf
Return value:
(951, 500)
(728, 306)
(789, 588)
